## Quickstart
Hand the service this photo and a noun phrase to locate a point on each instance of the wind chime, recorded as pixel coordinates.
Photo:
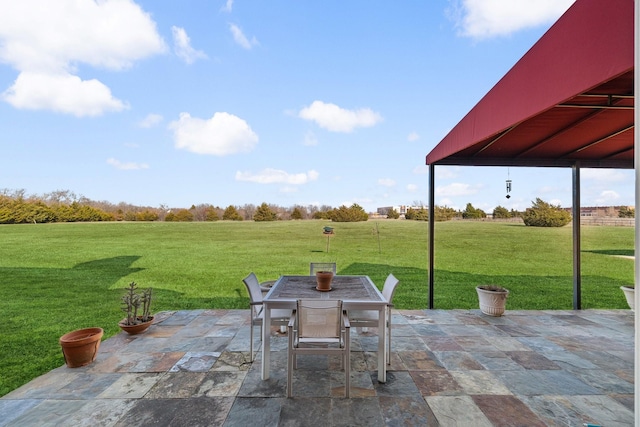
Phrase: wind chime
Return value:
(508, 185)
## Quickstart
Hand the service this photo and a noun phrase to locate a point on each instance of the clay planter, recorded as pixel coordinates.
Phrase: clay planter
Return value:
(323, 279)
(492, 299)
(81, 347)
(135, 329)
(630, 295)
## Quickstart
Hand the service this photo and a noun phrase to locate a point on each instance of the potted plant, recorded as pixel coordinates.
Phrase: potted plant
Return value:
(323, 280)
(80, 347)
(630, 295)
(137, 306)
(493, 299)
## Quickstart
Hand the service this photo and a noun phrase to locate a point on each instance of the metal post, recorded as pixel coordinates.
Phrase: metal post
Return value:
(432, 221)
(577, 278)
(636, 160)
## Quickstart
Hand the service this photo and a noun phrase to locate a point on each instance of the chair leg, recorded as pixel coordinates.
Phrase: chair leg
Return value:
(388, 343)
(346, 360)
(290, 357)
(251, 341)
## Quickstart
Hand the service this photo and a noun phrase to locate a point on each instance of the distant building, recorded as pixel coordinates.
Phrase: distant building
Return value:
(600, 211)
(401, 209)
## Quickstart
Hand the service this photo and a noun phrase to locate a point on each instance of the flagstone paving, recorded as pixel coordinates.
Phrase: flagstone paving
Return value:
(448, 368)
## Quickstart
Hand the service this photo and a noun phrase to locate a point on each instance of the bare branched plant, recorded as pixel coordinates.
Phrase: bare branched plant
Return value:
(136, 305)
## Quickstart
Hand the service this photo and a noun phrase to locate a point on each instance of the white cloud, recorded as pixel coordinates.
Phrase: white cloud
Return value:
(386, 182)
(287, 189)
(607, 198)
(447, 202)
(457, 189)
(421, 170)
(228, 6)
(413, 136)
(412, 188)
(276, 176)
(182, 46)
(45, 41)
(241, 39)
(220, 135)
(150, 121)
(62, 93)
(310, 139)
(547, 189)
(126, 165)
(488, 18)
(446, 172)
(605, 175)
(336, 119)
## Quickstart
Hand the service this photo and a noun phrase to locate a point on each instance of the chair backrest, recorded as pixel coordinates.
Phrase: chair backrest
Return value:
(253, 287)
(314, 267)
(389, 287)
(319, 318)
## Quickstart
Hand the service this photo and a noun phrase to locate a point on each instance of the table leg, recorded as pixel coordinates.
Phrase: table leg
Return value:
(382, 345)
(266, 341)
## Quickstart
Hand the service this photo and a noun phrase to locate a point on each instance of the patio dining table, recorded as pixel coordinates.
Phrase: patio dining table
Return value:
(356, 293)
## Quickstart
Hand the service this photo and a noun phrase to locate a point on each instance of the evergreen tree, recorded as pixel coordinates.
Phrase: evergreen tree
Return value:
(231, 214)
(264, 213)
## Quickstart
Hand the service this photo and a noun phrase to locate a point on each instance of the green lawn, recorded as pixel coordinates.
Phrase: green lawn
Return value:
(59, 277)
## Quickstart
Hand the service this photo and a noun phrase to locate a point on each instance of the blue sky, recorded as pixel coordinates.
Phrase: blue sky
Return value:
(162, 102)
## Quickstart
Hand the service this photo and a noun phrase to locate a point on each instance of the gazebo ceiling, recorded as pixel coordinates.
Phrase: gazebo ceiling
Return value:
(569, 99)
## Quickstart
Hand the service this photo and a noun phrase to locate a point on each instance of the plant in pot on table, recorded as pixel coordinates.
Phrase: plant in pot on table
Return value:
(137, 306)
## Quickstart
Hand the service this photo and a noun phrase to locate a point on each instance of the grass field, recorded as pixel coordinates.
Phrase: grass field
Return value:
(56, 278)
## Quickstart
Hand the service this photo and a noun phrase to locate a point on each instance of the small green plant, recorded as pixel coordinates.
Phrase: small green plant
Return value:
(136, 305)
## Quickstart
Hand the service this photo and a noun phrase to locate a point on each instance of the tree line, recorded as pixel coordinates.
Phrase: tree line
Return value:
(16, 207)
(64, 206)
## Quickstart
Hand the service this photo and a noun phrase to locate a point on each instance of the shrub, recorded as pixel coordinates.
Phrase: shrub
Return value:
(626, 212)
(231, 214)
(319, 215)
(296, 214)
(393, 214)
(501, 212)
(355, 213)
(417, 214)
(543, 214)
(147, 215)
(264, 213)
(211, 214)
(444, 213)
(472, 213)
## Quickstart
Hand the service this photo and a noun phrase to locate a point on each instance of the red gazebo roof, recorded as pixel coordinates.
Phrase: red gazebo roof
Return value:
(568, 99)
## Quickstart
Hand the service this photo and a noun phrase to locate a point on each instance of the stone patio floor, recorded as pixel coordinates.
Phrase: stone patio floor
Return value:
(449, 368)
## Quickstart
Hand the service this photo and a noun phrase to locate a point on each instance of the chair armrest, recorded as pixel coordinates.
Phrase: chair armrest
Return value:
(255, 303)
(292, 319)
(345, 319)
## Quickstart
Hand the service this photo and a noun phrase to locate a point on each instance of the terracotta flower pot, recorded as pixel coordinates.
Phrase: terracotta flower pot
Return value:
(323, 279)
(81, 347)
(135, 329)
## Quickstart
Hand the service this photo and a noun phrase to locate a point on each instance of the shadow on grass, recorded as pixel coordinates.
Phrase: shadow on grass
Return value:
(456, 290)
(39, 305)
(615, 252)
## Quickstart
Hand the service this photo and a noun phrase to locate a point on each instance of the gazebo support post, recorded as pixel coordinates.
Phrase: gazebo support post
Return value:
(636, 162)
(432, 221)
(577, 276)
